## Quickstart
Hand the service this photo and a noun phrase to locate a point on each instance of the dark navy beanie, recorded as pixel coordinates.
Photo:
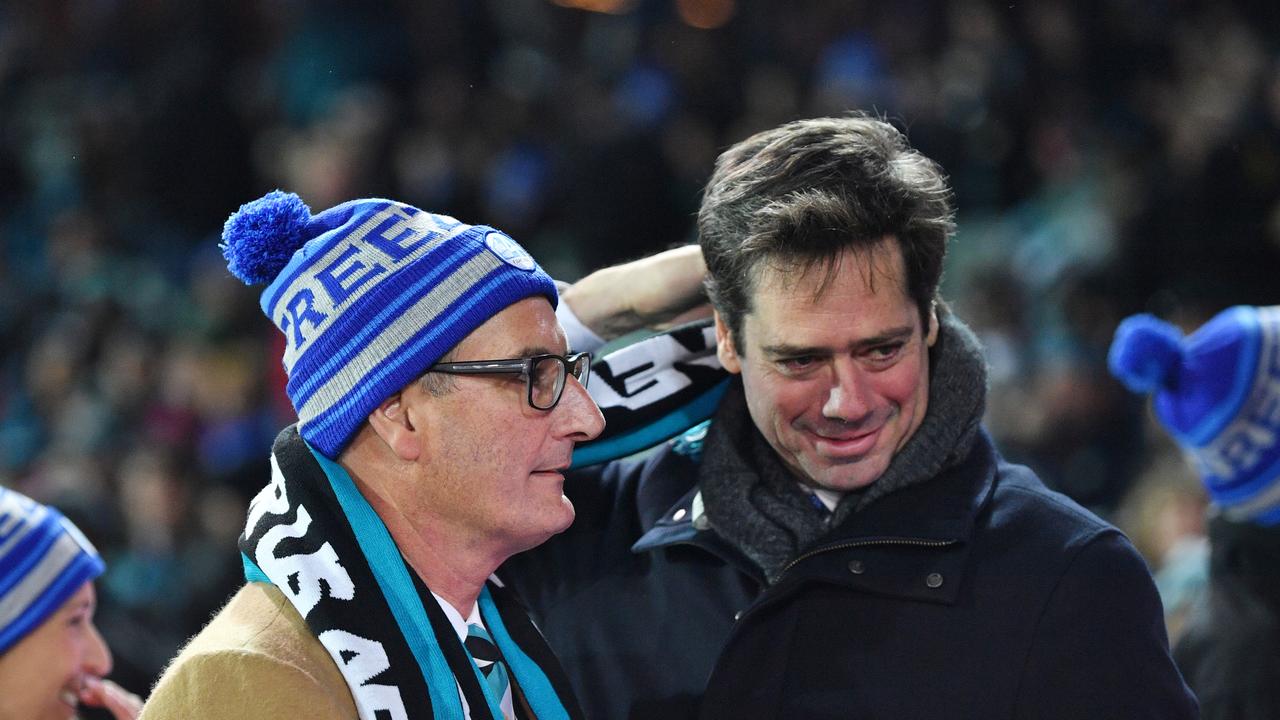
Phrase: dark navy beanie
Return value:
(369, 294)
(1217, 391)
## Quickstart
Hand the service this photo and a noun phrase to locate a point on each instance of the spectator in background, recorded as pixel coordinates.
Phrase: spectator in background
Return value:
(1217, 391)
(1142, 136)
(1164, 514)
(51, 655)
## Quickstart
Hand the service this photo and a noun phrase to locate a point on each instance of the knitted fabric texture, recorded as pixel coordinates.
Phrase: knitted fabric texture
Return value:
(44, 560)
(369, 294)
(1217, 391)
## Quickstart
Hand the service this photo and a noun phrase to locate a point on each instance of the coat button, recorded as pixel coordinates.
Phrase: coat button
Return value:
(855, 567)
(934, 580)
(679, 515)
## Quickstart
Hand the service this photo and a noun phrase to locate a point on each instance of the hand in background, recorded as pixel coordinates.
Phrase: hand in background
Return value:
(122, 704)
(655, 292)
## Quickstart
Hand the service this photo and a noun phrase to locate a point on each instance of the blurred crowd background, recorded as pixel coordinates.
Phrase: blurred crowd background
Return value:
(1108, 157)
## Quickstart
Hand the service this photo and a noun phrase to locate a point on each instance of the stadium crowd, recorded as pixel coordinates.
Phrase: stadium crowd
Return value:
(1108, 158)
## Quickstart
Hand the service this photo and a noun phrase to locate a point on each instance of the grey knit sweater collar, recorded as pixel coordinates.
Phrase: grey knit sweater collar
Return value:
(756, 503)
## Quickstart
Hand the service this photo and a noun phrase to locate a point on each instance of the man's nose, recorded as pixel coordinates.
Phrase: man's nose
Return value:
(97, 656)
(581, 416)
(848, 398)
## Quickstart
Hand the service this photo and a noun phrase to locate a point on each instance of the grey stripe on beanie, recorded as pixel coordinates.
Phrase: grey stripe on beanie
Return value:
(369, 294)
(38, 579)
(377, 349)
(44, 561)
(17, 522)
(435, 233)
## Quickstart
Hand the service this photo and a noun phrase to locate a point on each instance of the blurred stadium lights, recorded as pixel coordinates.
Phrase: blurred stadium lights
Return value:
(613, 7)
(705, 14)
(701, 14)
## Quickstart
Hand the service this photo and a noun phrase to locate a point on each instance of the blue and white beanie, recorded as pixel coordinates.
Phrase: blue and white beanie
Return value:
(369, 294)
(1218, 393)
(44, 560)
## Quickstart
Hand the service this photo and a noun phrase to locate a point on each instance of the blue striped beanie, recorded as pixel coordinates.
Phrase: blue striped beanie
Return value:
(1217, 391)
(44, 560)
(369, 294)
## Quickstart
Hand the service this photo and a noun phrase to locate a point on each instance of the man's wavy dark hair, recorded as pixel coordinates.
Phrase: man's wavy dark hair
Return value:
(800, 194)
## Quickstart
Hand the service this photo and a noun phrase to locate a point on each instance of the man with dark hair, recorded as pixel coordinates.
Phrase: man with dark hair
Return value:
(786, 195)
(841, 539)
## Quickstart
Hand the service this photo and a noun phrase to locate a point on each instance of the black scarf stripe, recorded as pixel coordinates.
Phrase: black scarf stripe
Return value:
(312, 490)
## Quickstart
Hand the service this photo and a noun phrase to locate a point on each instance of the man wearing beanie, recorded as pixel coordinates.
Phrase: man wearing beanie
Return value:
(51, 655)
(438, 405)
(1217, 393)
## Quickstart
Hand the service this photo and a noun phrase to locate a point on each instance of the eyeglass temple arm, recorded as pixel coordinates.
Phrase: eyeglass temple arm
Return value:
(481, 367)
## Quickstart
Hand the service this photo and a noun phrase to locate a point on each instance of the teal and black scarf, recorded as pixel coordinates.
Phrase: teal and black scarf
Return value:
(312, 534)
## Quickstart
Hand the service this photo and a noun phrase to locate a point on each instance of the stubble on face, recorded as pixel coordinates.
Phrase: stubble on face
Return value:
(836, 368)
(491, 465)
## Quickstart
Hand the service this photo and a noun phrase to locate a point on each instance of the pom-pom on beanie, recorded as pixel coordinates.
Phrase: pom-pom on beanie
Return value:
(1217, 391)
(44, 560)
(369, 294)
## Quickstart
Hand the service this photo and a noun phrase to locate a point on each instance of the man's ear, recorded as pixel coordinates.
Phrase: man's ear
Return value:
(725, 348)
(931, 333)
(392, 422)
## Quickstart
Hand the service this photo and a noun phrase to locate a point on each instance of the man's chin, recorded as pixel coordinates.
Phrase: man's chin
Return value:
(569, 513)
(563, 517)
(850, 476)
(552, 527)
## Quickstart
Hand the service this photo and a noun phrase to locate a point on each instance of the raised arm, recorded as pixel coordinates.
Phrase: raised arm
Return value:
(654, 293)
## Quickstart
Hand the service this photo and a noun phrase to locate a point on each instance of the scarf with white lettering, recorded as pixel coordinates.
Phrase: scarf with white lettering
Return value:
(312, 534)
(653, 389)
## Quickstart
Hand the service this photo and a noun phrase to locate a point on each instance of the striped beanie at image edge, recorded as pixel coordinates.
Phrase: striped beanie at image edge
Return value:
(1217, 392)
(44, 560)
(369, 294)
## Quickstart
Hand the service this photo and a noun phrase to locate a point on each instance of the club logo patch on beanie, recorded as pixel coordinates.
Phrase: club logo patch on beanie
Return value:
(368, 295)
(1218, 393)
(511, 253)
(44, 559)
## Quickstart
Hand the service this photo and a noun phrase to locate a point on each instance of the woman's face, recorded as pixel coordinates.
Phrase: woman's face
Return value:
(41, 676)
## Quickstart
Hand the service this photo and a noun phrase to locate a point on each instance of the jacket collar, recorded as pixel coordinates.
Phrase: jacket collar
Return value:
(914, 543)
(663, 523)
(937, 516)
(945, 507)
(676, 525)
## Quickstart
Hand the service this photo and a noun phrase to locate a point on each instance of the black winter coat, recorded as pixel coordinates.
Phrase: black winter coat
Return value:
(978, 594)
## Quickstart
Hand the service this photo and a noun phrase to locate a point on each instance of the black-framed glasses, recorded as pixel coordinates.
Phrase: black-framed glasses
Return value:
(544, 375)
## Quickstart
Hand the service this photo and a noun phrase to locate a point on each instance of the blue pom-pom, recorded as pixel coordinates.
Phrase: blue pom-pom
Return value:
(1146, 353)
(259, 239)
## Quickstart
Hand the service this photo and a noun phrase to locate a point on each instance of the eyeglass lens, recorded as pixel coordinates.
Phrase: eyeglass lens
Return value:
(549, 378)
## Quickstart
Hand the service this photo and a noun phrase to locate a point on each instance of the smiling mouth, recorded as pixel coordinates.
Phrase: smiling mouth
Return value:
(846, 445)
